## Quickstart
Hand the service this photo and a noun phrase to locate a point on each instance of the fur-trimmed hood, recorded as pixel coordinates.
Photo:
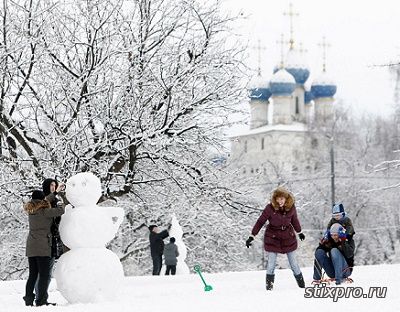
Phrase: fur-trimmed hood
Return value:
(46, 185)
(281, 192)
(35, 205)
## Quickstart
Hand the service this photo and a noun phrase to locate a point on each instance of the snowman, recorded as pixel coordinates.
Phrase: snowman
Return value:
(177, 232)
(88, 272)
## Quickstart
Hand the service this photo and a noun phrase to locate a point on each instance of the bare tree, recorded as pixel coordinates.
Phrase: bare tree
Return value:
(137, 92)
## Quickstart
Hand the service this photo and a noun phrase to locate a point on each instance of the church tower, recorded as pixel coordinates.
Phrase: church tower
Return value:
(323, 89)
(259, 94)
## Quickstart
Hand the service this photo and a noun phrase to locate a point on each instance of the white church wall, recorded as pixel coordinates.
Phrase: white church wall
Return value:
(259, 113)
(283, 150)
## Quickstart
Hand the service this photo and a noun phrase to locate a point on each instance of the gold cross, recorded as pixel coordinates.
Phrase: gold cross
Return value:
(291, 13)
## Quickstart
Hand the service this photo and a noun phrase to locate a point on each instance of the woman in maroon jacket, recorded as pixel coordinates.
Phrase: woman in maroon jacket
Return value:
(279, 235)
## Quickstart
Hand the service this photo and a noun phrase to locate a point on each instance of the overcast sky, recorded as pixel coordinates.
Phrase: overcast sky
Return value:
(362, 34)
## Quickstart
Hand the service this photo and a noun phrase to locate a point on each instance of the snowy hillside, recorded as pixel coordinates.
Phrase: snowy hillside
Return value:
(237, 291)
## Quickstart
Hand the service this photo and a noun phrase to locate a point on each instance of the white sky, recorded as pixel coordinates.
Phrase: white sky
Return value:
(362, 34)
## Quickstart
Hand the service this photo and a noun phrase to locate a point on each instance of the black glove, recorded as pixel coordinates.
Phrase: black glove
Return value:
(249, 240)
(302, 236)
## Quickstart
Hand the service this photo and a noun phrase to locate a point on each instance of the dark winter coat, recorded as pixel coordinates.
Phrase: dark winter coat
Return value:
(157, 243)
(345, 247)
(170, 254)
(346, 223)
(38, 243)
(279, 234)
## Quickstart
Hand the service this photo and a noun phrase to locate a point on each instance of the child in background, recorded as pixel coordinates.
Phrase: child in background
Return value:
(339, 216)
(170, 254)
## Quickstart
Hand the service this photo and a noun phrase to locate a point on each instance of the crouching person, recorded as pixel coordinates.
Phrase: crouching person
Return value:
(335, 255)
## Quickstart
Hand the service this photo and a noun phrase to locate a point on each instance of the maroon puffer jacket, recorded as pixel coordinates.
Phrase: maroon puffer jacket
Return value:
(280, 232)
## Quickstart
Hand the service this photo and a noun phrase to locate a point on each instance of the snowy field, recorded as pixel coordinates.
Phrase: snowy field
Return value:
(232, 292)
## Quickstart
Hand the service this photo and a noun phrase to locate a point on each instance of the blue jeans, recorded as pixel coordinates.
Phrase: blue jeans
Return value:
(292, 262)
(333, 263)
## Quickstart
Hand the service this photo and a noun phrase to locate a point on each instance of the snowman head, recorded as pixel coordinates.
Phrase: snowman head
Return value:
(83, 189)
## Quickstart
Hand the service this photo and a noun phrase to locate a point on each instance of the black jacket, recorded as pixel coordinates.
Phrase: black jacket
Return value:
(157, 243)
(345, 247)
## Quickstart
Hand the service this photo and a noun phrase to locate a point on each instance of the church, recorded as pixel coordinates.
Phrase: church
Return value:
(280, 139)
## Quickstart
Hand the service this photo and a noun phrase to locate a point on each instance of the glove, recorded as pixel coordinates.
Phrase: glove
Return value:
(249, 240)
(326, 236)
(169, 227)
(302, 236)
(342, 235)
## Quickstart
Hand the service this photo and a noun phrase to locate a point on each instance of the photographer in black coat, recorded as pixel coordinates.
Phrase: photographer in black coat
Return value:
(157, 247)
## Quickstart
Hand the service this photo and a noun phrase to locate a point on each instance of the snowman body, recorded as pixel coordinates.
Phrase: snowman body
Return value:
(88, 272)
(176, 231)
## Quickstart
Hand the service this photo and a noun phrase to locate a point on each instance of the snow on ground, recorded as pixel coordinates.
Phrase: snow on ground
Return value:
(232, 292)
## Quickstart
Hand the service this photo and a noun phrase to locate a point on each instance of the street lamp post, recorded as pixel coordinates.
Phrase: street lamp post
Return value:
(332, 153)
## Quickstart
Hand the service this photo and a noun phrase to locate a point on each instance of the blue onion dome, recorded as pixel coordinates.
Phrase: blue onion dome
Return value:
(259, 89)
(282, 83)
(323, 86)
(297, 66)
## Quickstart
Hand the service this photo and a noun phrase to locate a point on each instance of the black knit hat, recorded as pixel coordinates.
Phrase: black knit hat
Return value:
(37, 194)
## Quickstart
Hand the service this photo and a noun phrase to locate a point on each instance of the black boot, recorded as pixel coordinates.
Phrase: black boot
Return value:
(29, 300)
(45, 303)
(269, 281)
(300, 280)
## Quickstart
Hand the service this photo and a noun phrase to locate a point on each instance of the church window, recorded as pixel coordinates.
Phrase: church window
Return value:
(245, 146)
(244, 170)
(297, 106)
(251, 170)
(262, 143)
(314, 143)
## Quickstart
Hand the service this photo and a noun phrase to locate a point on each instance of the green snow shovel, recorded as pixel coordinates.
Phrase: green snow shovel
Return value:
(197, 269)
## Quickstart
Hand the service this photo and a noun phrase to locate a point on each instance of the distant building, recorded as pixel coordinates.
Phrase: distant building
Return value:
(282, 112)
